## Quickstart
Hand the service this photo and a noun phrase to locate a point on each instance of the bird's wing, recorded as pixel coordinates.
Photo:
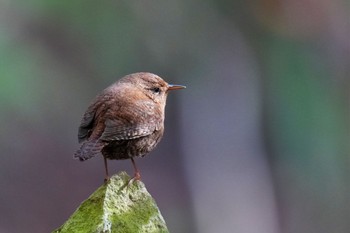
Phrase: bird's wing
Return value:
(132, 121)
(117, 129)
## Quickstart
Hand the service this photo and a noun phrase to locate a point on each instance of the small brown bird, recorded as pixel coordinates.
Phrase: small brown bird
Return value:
(126, 120)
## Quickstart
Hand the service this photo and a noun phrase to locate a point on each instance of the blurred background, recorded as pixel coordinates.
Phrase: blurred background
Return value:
(257, 143)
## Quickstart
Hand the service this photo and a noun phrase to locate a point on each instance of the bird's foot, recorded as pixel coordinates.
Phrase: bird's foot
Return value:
(106, 179)
(137, 176)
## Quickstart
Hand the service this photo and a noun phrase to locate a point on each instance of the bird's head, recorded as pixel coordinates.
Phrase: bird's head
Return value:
(151, 85)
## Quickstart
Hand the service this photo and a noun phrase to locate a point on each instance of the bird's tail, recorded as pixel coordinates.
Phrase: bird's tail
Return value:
(88, 150)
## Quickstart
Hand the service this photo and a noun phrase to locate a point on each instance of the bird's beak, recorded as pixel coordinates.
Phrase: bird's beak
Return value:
(175, 87)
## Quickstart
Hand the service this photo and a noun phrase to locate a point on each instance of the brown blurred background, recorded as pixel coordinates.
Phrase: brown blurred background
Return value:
(257, 143)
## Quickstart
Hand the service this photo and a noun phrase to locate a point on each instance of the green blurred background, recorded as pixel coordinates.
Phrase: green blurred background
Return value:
(257, 143)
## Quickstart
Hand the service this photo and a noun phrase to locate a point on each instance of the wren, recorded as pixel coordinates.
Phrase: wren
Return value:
(126, 120)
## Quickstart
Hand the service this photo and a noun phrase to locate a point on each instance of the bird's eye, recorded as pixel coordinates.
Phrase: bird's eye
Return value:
(156, 90)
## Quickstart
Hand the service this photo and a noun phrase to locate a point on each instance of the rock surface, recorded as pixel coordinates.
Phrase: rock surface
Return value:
(116, 207)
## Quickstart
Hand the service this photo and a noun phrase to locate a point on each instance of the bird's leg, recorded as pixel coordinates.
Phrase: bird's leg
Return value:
(137, 175)
(106, 169)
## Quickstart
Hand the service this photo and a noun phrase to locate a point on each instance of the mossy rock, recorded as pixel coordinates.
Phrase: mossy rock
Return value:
(116, 207)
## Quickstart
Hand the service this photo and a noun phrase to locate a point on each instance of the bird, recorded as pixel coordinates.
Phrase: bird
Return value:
(126, 120)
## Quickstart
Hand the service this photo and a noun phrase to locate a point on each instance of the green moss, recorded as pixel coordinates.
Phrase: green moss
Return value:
(117, 207)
